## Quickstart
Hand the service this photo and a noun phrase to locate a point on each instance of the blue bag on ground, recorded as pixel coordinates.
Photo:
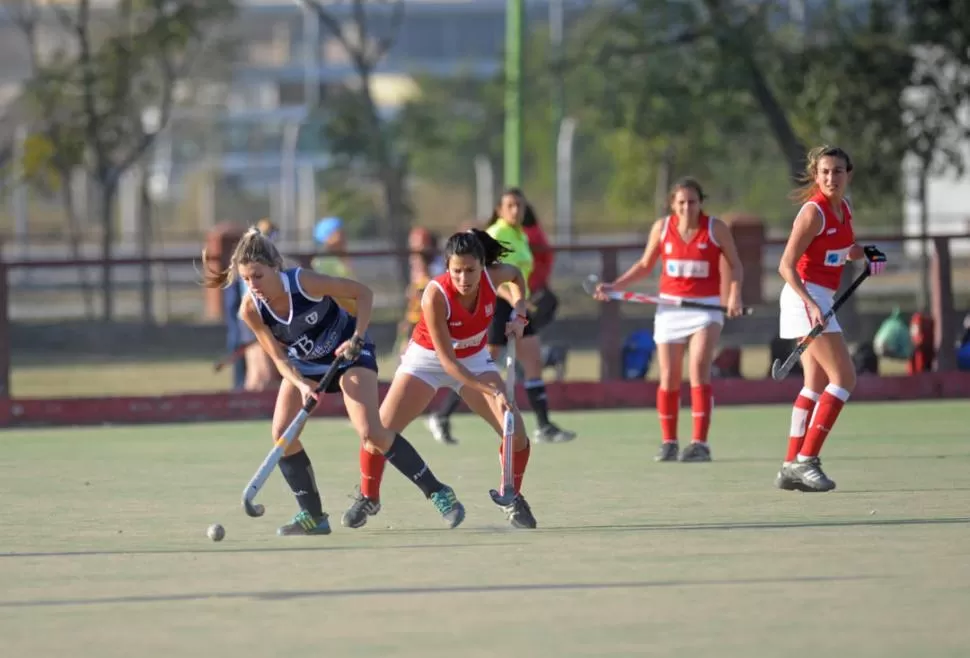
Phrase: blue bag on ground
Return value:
(893, 339)
(963, 357)
(638, 351)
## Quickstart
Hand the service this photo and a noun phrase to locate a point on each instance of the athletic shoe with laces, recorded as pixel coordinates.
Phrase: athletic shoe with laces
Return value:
(788, 482)
(552, 433)
(519, 513)
(448, 505)
(668, 452)
(696, 452)
(440, 427)
(305, 524)
(362, 507)
(810, 474)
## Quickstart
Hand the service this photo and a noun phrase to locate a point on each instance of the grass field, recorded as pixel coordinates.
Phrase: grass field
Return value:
(103, 376)
(104, 551)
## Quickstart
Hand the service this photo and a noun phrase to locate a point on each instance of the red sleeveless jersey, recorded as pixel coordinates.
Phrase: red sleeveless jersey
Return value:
(691, 268)
(824, 259)
(468, 329)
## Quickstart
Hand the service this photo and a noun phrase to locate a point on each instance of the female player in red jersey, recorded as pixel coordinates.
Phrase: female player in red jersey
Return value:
(448, 349)
(690, 245)
(821, 242)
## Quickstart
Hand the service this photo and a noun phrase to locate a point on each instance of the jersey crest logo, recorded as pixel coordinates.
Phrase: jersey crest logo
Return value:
(831, 231)
(668, 248)
(702, 245)
(312, 318)
(488, 309)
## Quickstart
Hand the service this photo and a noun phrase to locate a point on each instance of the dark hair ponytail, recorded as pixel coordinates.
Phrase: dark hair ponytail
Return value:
(474, 242)
(529, 217)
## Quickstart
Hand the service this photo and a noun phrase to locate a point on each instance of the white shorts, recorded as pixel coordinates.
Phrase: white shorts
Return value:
(424, 364)
(675, 324)
(793, 321)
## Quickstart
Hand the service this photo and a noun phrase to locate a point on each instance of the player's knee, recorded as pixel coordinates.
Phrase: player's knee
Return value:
(669, 379)
(846, 377)
(375, 436)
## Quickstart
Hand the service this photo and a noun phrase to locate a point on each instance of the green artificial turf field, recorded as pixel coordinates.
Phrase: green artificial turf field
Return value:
(103, 550)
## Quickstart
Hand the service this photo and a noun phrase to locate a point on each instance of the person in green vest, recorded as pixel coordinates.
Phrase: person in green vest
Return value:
(505, 226)
(329, 235)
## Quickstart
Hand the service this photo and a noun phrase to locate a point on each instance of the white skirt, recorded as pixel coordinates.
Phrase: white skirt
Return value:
(424, 364)
(793, 320)
(675, 324)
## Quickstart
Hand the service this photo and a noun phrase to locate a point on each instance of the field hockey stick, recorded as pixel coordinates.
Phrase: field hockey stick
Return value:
(507, 494)
(592, 281)
(281, 444)
(232, 357)
(780, 369)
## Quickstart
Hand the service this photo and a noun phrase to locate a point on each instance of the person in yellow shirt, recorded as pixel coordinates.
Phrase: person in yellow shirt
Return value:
(506, 227)
(426, 262)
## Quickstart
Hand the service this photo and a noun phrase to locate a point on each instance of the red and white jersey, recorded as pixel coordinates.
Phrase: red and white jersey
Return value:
(825, 257)
(468, 329)
(691, 268)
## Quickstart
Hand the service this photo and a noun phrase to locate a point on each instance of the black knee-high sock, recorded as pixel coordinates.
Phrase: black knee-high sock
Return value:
(536, 390)
(450, 405)
(298, 473)
(402, 456)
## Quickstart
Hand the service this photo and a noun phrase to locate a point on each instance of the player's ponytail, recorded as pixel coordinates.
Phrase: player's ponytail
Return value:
(253, 247)
(474, 242)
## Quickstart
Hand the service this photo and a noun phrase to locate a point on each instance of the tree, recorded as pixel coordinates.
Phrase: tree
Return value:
(356, 127)
(54, 147)
(106, 73)
(844, 83)
(936, 105)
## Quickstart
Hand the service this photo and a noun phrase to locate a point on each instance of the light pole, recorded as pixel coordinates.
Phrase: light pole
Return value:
(514, 19)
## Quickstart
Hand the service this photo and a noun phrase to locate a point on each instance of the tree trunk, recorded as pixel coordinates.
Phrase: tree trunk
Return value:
(144, 252)
(107, 243)
(395, 199)
(393, 176)
(74, 240)
(924, 244)
(733, 46)
(784, 134)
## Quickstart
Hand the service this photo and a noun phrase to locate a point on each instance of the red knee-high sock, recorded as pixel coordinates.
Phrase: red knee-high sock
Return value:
(801, 414)
(668, 403)
(521, 458)
(827, 412)
(371, 473)
(701, 404)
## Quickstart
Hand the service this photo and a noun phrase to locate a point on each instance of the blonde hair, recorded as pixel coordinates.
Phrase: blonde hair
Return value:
(253, 247)
(808, 186)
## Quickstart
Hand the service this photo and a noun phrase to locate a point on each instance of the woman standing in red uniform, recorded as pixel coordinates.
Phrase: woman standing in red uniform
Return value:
(821, 242)
(690, 245)
(448, 350)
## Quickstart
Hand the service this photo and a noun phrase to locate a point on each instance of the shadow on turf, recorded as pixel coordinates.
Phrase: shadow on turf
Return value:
(283, 595)
(741, 525)
(845, 458)
(767, 525)
(269, 549)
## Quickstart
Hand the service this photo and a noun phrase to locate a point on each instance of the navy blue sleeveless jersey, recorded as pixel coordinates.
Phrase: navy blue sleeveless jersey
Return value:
(314, 329)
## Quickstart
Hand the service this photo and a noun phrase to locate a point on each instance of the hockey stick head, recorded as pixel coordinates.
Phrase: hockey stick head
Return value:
(590, 284)
(502, 499)
(778, 370)
(253, 510)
